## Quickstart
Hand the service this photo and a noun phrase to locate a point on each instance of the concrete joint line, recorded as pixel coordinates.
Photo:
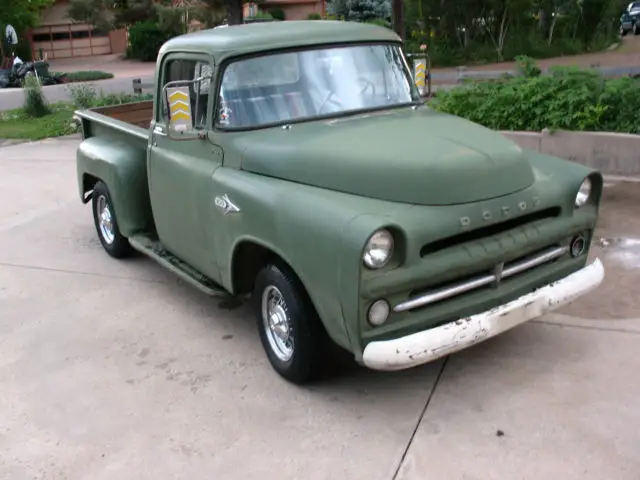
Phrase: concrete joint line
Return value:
(588, 327)
(420, 417)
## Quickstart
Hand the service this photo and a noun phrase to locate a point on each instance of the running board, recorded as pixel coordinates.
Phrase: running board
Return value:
(154, 249)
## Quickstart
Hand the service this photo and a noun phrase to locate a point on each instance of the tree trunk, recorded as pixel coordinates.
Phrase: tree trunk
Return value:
(235, 12)
(553, 26)
(398, 18)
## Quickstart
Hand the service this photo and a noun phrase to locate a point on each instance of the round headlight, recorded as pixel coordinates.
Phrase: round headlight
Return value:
(583, 193)
(378, 250)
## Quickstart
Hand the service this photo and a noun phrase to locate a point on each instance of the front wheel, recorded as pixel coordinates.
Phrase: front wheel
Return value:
(106, 223)
(290, 330)
(636, 29)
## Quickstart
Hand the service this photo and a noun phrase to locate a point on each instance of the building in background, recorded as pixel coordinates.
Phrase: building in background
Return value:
(58, 37)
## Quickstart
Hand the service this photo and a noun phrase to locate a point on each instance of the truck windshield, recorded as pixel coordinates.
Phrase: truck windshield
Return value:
(315, 83)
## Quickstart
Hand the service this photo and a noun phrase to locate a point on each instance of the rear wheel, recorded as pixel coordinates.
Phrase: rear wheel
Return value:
(104, 218)
(290, 330)
(635, 29)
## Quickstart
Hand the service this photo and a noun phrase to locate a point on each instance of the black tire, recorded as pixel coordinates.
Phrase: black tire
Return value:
(635, 29)
(111, 239)
(309, 339)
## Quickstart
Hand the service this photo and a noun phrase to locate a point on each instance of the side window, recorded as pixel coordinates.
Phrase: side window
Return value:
(188, 99)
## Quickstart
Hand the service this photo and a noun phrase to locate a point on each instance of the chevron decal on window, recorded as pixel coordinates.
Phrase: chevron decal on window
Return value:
(179, 108)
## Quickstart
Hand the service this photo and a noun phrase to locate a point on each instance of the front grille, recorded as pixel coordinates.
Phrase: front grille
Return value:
(488, 231)
(433, 295)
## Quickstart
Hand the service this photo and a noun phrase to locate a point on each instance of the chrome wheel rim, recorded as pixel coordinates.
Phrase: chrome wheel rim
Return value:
(276, 323)
(105, 220)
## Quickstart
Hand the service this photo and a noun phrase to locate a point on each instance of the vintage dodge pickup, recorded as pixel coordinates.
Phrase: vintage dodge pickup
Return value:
(296, 162)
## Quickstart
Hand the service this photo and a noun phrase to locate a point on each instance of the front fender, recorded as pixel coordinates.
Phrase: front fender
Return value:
(122, 167)
(303, 225)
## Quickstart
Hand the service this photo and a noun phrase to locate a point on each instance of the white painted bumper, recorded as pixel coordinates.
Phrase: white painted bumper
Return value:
(429, 345)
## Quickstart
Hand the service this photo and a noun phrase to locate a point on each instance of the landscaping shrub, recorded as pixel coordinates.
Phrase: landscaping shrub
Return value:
(82, 95)
(314, 16)
(566, 98)
(35, 105)
(277, 13)
(145, 40)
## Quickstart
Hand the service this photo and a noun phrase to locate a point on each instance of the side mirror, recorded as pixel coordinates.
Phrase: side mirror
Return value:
(177, 104)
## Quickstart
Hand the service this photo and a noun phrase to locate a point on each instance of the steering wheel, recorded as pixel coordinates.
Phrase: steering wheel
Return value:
(368, 84)
(330, 100)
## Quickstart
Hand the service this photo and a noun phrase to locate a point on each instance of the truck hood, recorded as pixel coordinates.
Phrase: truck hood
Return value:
(415, 156)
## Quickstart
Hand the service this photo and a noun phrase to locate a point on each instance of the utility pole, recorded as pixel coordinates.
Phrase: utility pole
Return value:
(397, 14)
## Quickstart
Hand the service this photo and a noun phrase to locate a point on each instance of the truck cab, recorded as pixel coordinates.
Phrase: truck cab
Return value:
(295, 164)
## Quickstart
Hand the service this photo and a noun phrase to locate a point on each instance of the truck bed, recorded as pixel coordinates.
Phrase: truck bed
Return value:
(128, 123)
(138, 113)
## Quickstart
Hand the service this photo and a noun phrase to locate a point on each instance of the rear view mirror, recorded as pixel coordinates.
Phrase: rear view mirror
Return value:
(178, 107)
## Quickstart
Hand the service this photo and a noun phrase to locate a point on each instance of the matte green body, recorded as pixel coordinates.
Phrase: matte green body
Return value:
(314, 193)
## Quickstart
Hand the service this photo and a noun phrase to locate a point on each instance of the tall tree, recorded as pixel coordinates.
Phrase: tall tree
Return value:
(398, 18)
(22, 14)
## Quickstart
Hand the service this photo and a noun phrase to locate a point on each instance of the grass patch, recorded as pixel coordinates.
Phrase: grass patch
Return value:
(85, 76)
(16, 124)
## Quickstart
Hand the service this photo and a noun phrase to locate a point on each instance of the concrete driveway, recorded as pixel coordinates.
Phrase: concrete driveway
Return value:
(118, 370)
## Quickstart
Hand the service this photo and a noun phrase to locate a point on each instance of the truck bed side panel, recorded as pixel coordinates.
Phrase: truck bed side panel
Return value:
(121, 164)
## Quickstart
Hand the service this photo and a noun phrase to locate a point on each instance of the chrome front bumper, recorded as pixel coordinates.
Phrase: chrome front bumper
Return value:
(426, 346)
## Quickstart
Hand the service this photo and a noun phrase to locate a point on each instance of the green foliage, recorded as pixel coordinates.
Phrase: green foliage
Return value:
(17, 124)
(145, 40)
(277, 13)
(85, 96)
(22, 14)
(466, 32)
(35, 105)
(86, 75)
(260, 15)
(364, 10)
(59, 121)
(527, 67)
(82, 95)
(381, 22)
(314, 16)
(568, 98)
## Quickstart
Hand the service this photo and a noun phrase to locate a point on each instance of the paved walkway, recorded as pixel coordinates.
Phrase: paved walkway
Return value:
(119, 370)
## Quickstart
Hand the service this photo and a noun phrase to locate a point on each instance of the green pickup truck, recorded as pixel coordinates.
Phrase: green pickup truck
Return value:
(296, 163)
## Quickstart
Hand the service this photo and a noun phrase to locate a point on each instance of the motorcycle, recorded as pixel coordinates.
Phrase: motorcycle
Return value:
(16, 76)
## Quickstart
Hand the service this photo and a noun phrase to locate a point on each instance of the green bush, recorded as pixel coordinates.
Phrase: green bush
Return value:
(85, 96)
(314, 16)
(381, 22)
(445, 53)
(82, 95)
(35, 105)
(105, 100)
(567, 98)
(278, 13)
(145, 40)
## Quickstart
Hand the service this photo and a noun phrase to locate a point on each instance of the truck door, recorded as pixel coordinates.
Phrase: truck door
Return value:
(181, 161)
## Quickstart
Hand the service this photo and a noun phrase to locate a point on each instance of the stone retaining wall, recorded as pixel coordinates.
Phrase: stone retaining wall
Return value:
(611, 153)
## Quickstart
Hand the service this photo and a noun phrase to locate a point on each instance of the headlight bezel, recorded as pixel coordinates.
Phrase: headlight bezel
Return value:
(584, 193)
(379, 236)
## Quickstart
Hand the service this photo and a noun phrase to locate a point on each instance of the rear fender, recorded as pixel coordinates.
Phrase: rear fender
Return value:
(123, 169)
